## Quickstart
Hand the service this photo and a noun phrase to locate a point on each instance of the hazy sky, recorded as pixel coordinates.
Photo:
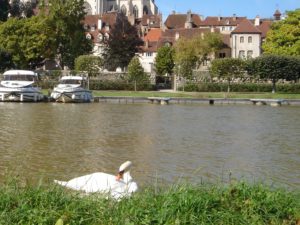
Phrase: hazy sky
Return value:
(249, 8)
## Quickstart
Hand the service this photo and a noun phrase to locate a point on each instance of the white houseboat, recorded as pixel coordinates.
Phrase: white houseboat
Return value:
(72, 89)
(20, 86)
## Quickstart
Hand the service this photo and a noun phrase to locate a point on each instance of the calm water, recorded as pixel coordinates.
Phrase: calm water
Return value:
(165, 143)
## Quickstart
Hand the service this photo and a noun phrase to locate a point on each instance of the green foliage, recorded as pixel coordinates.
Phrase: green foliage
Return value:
(28, 41)
(164, 61)
(228, 68)
(121, 85)
(136, 71)
(5, 61)
(238, 203)
(122, 44)
(67, 30)
(89, 63)
(275, 67)
(241, 87)
(192, 52)
(284, 36)
(4, 9)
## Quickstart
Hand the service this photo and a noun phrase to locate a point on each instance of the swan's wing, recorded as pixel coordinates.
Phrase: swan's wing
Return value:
(95, 182)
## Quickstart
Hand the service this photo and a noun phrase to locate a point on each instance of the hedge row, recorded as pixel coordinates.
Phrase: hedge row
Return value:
(245, 87)
(190, 87)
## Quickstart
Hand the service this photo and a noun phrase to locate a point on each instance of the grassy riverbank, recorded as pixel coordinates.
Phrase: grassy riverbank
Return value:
(183, 204)
(196, 94)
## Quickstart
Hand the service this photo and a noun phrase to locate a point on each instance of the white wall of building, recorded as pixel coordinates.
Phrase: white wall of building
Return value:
(147, 60)
(248, 45)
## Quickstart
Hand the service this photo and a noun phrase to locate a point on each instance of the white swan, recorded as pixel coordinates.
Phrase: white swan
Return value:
(117, 186)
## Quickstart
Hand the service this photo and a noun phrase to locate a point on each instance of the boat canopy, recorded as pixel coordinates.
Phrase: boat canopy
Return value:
(20, 72)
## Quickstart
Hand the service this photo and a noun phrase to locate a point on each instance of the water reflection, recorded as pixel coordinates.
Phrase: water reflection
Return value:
(193, 142)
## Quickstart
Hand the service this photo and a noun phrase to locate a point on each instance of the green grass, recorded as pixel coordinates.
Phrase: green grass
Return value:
(238, 203)
(195, 94)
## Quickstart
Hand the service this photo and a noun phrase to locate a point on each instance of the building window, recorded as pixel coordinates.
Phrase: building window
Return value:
(242, 54)
(242, 39)
(124, 10)
(222, 55)
(250, 39)
(249, 54)
(145, 10)
(223, 28)
(149, 54)
(136, 11)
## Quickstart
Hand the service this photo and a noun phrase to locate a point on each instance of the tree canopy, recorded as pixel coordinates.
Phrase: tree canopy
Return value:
(192, 52)
(275, 67)
(89, 63)
(164, 61)
(228, 68)
(64, 20)
(284, 36)
(122, 44)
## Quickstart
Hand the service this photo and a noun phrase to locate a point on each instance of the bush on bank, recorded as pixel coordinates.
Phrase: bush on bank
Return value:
(238, 203)
(245, 87)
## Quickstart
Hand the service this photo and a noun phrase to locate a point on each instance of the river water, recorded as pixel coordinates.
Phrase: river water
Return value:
(169, 144)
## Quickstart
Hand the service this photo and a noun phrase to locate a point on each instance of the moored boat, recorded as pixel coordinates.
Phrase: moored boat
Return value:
(20, 86)
(72, 89)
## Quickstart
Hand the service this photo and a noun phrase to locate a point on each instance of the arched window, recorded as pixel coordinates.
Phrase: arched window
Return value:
(249, 39)
(242, 54)
(242, 39)
(124, 10)
(249, 54)
(145, 10)
(100, 37)
(135, 11)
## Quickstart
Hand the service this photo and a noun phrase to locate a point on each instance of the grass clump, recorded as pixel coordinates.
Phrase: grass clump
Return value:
(239, 203)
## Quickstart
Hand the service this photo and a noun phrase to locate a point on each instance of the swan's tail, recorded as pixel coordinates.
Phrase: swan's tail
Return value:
(62, 183)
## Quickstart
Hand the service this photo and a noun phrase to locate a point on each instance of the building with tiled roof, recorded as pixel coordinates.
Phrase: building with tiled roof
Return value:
(178, 21)
(97, 28)
(225, 24)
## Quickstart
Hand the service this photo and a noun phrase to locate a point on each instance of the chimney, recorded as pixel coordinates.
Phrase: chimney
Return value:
(147, 44)
(219, 18)
(99, 24)
(107, 27)
(257, 21)
(188, 23)
(173, 12)
(234, 17)
(177, 35)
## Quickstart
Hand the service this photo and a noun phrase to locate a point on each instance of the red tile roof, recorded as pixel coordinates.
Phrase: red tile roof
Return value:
(153, 35)
(177, 21)
(153, 21)
(221, 21)
(246, 27)
(264, 27)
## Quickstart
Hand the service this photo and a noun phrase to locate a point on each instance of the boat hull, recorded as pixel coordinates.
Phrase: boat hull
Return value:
(20, 96)
(72, 97)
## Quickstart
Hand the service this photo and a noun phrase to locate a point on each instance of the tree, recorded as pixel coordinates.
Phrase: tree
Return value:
(122, 44)
(192, 52)
(65, 22)
(164, 61)
(136, 72)
(185, 57)
(4, 9)
(89, 63)
(275, 67)
(28, 40)
(284, 36)
(228, 68)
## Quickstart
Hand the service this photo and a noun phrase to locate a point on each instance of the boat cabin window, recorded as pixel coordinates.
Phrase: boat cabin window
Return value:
(20, 77)
(71, 81)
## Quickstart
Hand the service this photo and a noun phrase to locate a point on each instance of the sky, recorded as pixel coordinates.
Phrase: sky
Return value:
(248, 8)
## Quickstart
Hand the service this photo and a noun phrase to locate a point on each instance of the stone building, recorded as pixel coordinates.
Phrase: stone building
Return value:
(136, 8)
